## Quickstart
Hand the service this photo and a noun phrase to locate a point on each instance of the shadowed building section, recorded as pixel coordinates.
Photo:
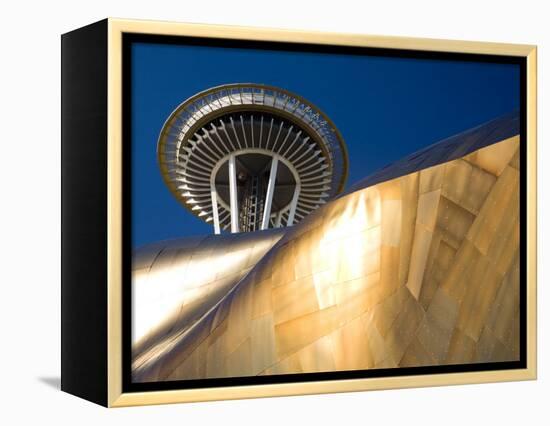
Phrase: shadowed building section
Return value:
(411, 267)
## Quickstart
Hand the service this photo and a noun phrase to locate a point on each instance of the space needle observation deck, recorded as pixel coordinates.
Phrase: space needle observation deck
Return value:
(248, 157)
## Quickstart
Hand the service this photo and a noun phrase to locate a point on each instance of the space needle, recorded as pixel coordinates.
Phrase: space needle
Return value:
(248, 157)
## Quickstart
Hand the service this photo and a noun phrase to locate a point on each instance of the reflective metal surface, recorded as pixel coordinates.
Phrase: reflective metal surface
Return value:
(174, 283)
(420, 269)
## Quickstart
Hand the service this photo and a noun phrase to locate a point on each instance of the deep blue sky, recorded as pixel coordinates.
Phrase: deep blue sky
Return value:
(384, 107)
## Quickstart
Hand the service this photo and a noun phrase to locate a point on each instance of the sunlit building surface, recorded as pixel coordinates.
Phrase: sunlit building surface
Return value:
(415, 265)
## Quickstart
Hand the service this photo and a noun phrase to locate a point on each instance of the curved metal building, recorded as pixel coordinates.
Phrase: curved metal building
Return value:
(248, 157)
(416, 265)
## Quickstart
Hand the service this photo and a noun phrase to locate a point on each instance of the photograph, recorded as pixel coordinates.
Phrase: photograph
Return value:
(303, 212)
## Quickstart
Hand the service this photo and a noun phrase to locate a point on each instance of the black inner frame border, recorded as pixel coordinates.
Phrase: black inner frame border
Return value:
(129, 38)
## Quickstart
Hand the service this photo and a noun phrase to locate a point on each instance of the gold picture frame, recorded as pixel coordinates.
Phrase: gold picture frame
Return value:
(116, 29)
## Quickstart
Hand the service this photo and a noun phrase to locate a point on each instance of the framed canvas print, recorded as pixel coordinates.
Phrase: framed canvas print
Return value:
(250, 212)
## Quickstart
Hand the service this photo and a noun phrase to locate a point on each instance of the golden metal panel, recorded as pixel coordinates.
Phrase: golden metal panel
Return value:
(456, 181)
(216, 365)
(389, 273)
(261, 305)
(461, 349)
(386, 312)
(419, 256)
(353, 307)
(416, 355)
(484, 228)
(427, 209)
(409, 191)
(404, 328)
(466, 185)
(437, 328)
(391, 222)
(289, 364)
(263, 343)
(434, 340)
(239, 362)
(490, 349)
(351, 347)
(295, 334)
(478, 299)
(495, 158)
(443, 310)
(474, 198)
(317, 356)
(325, 289)
(453, 221)
(344, 291)
(439, 262)
(459, 272)
(431, 179)
(359, 254)
(377, 345)
(514, 162)
(280, 272)
(239, 313)
(285, 296)
(505, 309)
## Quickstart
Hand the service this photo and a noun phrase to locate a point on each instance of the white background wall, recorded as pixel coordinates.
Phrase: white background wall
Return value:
(30, 211)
